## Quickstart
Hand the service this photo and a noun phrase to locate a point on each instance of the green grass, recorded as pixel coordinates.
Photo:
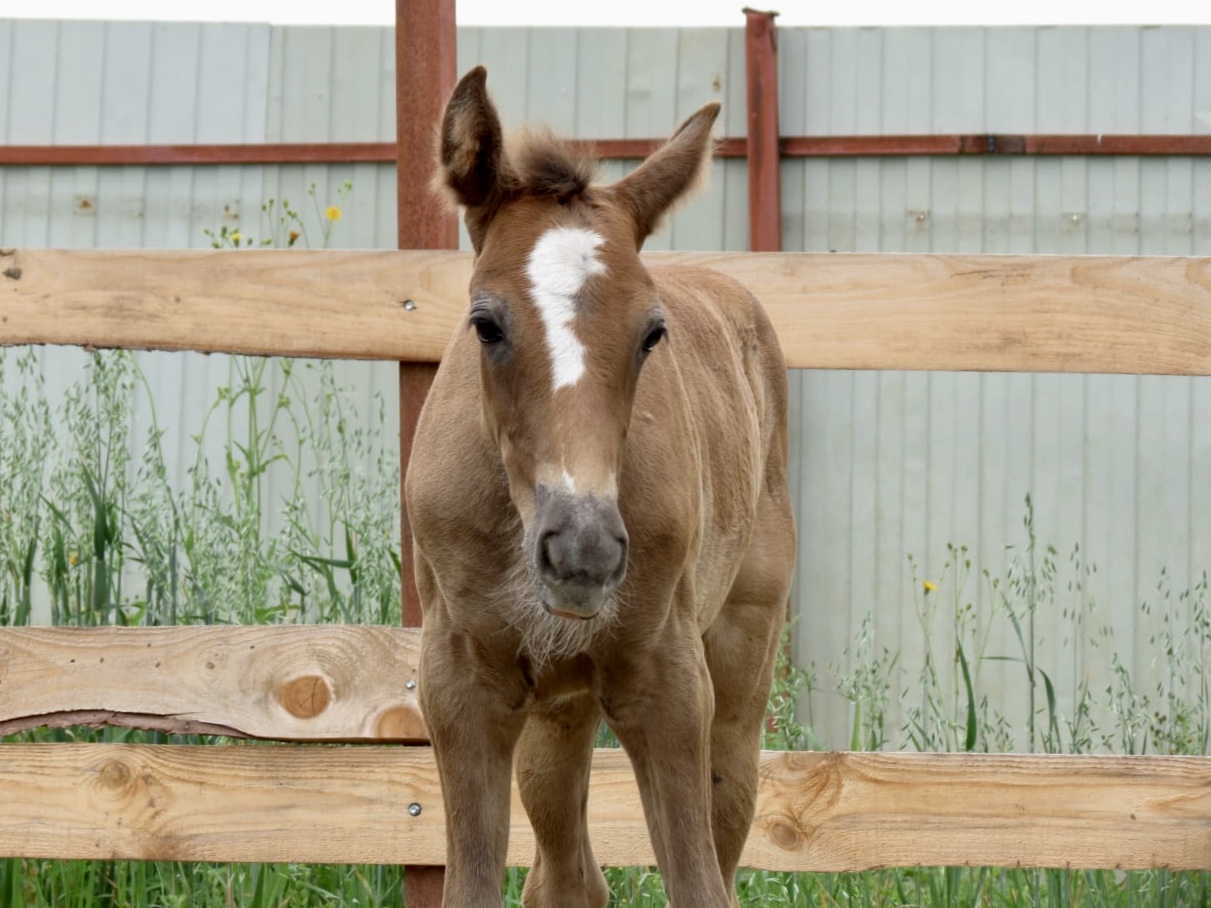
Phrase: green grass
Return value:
(85, 884)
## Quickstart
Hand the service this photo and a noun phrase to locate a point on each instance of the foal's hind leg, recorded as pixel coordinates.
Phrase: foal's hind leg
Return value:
(553, 760)
(741, 648)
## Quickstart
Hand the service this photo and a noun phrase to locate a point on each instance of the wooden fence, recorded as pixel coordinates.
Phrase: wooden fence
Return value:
(379, 802)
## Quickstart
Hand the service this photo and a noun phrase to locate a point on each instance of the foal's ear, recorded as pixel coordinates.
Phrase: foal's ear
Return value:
(471, 151)
(671, 174)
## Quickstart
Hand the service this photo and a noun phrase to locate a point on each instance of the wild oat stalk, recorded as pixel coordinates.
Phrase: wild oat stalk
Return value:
(26, 437)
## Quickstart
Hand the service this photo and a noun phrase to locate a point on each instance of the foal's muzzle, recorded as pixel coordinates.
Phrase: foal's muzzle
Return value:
(579, 550)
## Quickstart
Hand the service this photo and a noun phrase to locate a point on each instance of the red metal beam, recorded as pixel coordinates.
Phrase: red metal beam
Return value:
(1102, 144)
(764, 183)
(992, 144)
(425, 54)
(425, 72)
(869, 146)
(136, 155)
(286, 153)
(616, 149)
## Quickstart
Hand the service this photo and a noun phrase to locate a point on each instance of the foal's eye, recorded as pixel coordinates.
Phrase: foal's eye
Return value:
(487, 330)
(654, 336)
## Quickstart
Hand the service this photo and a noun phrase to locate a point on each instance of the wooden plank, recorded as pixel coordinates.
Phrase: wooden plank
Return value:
(290, 303)
(302, 683)
(854, 311)
(220, 803)
(851, 811)
(816, 811)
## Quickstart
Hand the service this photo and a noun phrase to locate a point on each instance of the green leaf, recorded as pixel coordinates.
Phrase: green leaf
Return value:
(1053, 723)
(969, 740)
(351, 555)
(855, 739)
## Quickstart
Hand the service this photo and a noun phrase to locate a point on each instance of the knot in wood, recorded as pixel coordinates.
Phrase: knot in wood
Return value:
(401, 723)
(305, 697)
(786, 834)
(115, 774)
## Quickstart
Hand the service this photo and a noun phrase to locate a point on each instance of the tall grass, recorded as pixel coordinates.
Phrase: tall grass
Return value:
(94, 535)
(107, 538)
(946, 706)
(91, 535)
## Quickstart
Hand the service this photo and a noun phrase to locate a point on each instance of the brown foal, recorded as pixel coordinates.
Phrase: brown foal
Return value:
(602, 527)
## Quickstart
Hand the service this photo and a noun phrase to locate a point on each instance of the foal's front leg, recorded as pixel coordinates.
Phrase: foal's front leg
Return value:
(661, 709)
(473, 728)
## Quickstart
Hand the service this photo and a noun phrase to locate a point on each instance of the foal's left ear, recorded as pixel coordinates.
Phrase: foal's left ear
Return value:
(471, 151)
(671, 174)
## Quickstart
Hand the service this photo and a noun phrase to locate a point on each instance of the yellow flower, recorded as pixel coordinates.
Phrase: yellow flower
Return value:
(332, 213)
(929, 587)
(235, 237)
(293, 238)
(73, 559)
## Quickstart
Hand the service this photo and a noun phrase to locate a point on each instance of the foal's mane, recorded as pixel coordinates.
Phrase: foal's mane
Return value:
(546, 166)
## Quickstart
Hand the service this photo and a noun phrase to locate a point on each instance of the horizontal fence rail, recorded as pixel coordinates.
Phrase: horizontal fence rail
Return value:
(298, 683)
(815, 811)
(999, 313)
(342, 804)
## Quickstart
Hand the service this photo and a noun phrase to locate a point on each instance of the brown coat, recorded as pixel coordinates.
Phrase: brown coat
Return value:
(602, 527)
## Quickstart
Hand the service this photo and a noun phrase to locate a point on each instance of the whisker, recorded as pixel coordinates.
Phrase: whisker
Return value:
(545, 638)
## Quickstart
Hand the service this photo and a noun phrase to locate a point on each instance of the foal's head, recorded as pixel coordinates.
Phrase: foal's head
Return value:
(566, 316)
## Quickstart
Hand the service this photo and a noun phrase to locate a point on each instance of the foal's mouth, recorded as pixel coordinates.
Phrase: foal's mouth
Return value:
(570, 616)
(572, 604)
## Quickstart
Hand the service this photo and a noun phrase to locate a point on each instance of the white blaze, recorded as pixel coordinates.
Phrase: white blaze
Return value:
(559, 265)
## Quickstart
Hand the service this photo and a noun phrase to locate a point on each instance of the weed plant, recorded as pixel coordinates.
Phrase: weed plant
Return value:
(94, 536)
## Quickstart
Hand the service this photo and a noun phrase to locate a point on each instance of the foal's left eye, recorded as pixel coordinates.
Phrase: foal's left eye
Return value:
(654, 336)
(487, 330)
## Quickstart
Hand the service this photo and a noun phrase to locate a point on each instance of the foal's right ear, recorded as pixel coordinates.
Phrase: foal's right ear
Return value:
(471, 151)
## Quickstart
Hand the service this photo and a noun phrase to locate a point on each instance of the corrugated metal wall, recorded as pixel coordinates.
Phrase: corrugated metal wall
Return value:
(891, 464)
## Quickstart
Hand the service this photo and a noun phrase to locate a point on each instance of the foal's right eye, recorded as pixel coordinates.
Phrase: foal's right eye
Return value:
(486, 329)
(654, 336)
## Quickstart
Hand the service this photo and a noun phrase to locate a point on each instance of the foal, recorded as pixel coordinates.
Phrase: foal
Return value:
(602, 528)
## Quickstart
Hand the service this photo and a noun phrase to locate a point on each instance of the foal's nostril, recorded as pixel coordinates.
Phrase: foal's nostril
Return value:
(602, 559)
(620, 561)
(546, 563)
(582, 555)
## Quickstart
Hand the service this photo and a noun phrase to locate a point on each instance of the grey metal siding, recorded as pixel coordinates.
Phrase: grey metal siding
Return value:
(897, 464)
(888, 463)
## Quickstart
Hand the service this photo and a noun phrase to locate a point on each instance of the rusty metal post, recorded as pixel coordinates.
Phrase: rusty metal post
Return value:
(764, 181)
(425, 71)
